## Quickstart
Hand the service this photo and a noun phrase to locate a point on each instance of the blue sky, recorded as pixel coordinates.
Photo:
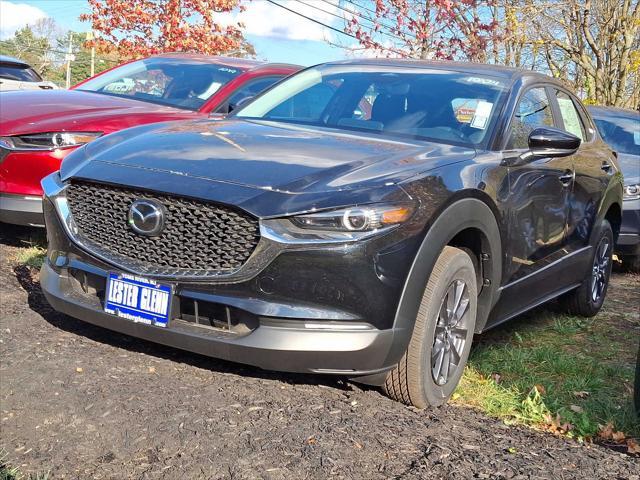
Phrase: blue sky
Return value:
(277, 35)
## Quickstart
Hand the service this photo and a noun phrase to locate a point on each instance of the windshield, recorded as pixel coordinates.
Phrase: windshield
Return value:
(621, 132)
(19, 72)
(431, 104)
(181, 83)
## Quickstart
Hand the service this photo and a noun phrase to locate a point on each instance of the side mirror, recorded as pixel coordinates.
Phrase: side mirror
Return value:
(551, 142)
(244, 101)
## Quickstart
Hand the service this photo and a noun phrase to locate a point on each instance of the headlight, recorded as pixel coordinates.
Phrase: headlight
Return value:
(632, 192)
(334, 226)
(48, 141)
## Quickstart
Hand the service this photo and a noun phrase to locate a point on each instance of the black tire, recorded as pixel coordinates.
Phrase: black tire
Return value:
(587, 299)
(413, 381)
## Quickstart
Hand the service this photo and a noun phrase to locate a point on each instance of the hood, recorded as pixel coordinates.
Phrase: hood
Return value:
(630, 166)
(262, 155)
(36, 111)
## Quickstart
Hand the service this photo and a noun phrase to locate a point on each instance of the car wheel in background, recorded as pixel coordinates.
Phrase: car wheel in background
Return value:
(439, 347)
(587, 299)
(631, 263)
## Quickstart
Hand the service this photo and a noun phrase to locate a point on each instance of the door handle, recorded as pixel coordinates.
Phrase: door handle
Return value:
(566, 179)
(606, 166)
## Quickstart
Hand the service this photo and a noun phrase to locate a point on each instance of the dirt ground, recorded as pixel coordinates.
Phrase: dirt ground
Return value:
(82, 402)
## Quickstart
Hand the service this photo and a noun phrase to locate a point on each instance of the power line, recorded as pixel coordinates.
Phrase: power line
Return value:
(343, 18)
(331, 28)
(313, 20)
(356, 13)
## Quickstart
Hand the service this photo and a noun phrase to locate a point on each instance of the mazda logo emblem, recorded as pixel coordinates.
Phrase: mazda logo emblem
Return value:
(146, 217)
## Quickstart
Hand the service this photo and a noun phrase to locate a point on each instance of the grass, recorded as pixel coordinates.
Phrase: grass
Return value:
(33, 251)
(32, 256)
(14, 473)
(553, 370)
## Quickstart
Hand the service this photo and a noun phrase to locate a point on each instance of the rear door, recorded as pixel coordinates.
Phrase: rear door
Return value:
(593, 166)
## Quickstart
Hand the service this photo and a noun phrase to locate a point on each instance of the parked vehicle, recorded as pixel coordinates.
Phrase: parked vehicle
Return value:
(18, 75)
(38, 129)
(308, 233)
(620, 128)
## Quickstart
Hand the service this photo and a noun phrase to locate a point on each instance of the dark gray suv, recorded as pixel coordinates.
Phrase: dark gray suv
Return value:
(360, 218)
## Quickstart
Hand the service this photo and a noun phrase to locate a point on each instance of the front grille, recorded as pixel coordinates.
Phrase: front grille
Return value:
(199, 238)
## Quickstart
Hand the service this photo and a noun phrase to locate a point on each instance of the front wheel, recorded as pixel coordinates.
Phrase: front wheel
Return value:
(439, 347)
(587, 299)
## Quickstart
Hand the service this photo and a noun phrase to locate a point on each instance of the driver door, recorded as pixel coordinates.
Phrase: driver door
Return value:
(537, 205)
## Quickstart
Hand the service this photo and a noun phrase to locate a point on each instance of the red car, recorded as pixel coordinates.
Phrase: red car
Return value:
(38, 129)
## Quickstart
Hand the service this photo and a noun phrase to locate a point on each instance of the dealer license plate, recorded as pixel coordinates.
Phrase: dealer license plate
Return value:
(138, 299)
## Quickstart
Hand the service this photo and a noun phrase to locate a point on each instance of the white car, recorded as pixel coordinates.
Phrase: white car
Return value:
(18, 75)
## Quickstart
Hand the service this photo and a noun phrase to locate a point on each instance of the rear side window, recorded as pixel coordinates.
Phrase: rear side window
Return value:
(571, 121)
(533, 111)
(18, 73)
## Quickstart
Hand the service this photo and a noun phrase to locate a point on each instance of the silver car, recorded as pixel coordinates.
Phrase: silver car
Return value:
(18, 75)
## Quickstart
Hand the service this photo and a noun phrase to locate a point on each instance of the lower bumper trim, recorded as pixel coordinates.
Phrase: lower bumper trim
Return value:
(21, 210)
(351, 353)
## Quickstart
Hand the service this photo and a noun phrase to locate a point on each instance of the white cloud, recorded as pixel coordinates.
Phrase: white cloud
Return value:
(14, 16)
(264, 19)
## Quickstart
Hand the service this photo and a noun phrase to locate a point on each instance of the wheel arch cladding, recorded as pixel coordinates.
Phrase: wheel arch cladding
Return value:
(467, 214)
(614, 216)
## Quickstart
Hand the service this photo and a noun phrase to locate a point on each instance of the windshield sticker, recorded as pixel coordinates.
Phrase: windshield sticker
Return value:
(483, 81)
(228, 70)
(481, 115)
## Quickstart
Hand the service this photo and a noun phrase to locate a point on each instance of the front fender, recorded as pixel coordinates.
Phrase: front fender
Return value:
(463, 214)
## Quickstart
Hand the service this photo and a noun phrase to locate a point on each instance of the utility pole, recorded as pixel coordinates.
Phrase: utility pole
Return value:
(90, 38)
(69, 58)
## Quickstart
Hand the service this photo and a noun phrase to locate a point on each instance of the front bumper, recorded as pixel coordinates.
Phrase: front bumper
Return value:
(289, 349)
(309, 309)
(629, 238)
(21, 210)
(20, 192)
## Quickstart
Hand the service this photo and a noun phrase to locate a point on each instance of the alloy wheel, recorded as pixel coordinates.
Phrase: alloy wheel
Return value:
(600, 270)
(450, 333)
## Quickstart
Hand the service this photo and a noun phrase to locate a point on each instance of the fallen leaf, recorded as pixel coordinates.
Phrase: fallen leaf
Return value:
(357, 445)
(541, 390)
(496, 377)
(608, 432)
(581, 394)
(512, 450)
(576, 408)
(152, 369)
(79, 369)
(633, 447)
(311, 440)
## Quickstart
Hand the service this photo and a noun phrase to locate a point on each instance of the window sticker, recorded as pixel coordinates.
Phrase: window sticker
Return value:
(636, 137)
(483, 81)
(481, 115)
(213, 88)
(570, 117)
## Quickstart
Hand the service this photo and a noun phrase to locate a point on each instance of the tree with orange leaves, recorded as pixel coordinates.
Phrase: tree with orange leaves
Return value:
(138, 28)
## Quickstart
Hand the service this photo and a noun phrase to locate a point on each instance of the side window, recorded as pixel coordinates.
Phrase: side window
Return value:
(571, 121)
(533, 111)
(248, 90)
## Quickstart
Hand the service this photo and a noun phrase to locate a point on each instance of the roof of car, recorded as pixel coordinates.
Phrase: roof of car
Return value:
(470, 67)
(7, 59)
(597, 110)
(244, 63)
